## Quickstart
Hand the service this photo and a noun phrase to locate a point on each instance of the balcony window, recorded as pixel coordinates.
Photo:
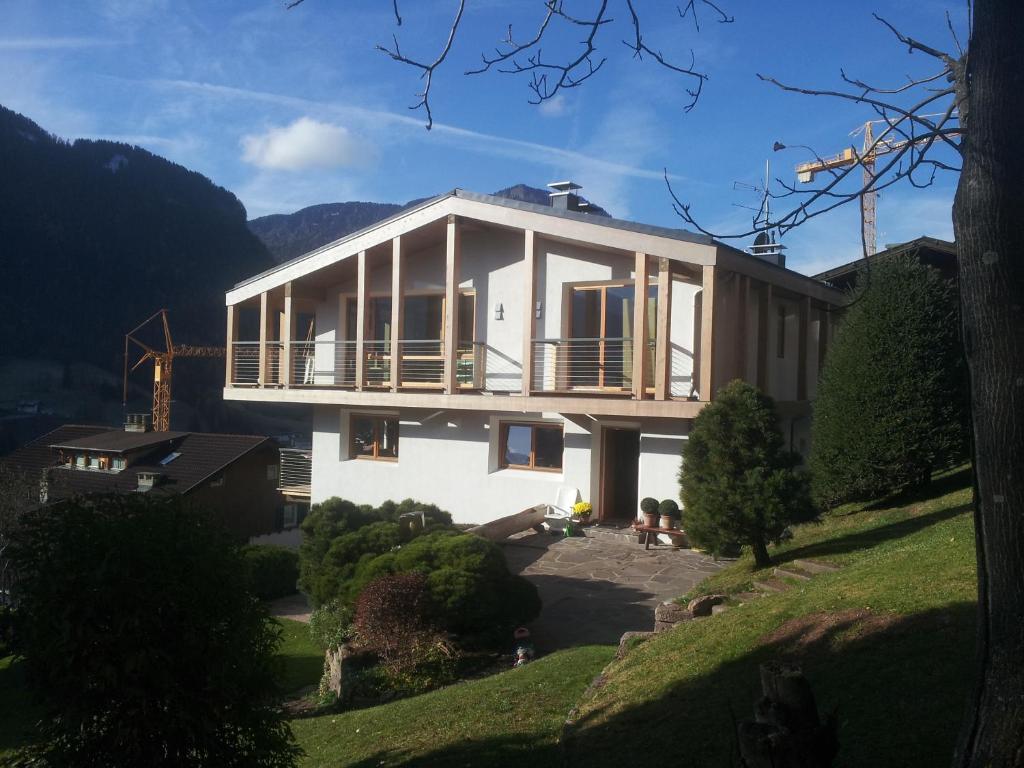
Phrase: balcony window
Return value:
(532, 446)
(374, 437)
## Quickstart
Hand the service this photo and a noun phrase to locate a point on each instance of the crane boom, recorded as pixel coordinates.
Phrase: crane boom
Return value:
(163, 365)
(871, 150)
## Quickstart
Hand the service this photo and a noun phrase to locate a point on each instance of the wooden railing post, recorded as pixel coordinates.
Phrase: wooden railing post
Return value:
(397, 312)
(663, 344)
(641, 273)
(262, 376)
(361, 302)
(230, 339)
(530, 301)
(707, 333)
(453, 257)
(288, 335)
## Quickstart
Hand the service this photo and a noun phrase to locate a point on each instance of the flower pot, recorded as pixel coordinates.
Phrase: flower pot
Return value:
(667, 521)
(583, 519)
(651, 519)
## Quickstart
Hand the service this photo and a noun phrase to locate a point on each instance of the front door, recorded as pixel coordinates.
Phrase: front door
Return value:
(620, 472)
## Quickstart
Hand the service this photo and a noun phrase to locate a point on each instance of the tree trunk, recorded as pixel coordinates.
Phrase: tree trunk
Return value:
(761, 558)
(987, 219)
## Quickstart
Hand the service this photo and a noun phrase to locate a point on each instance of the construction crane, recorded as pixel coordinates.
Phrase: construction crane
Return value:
(871, 150)
(163, 361)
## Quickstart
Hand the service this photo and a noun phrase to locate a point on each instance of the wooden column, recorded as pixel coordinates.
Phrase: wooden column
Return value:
(263, 375)
(742, 322)
(641, 273)
(453, 257)
(707, 333)
(529, 313)
(823, 331)
(803, 332)
(663, 344)
(362, 288)
(231, 338)
(764, 326)
(397, 312)
(287, 335)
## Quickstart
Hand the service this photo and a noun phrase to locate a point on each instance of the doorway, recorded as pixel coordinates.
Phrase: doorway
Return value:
(620, 474)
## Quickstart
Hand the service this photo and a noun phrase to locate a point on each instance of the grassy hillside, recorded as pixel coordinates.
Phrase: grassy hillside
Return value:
(887, 641)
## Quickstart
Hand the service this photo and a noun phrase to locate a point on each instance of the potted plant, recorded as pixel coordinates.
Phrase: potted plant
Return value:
(649, 507)
(668, 510)
(581, 512)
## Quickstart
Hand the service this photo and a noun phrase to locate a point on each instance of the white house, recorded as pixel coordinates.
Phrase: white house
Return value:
(485, 354)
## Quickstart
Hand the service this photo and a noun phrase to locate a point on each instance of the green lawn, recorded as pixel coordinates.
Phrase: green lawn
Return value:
(510, 719)
(888, 641)
(303, 659)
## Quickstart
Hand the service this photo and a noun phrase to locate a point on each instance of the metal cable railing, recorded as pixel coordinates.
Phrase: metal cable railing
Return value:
(566, 365)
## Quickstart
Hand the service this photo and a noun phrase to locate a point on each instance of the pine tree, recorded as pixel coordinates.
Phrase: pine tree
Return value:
(739, 483)
(892, 404)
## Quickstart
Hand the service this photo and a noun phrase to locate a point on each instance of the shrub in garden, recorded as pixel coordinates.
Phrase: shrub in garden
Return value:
(739, 484)
(143, 640)
(892, 404)
(649, 505)
(330, 625)
(273, 571)
(393, 617)
(669, 508)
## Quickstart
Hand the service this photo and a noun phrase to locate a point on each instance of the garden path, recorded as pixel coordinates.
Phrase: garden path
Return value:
(595, 589)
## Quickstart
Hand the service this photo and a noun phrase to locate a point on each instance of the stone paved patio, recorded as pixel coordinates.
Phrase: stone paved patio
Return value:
(596, 589)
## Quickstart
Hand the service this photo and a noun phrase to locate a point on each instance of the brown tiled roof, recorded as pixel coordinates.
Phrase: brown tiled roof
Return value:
(202, 455)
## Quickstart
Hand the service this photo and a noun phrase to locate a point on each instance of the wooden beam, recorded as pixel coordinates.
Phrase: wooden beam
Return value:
(641, 274)
(288, 334)
(397, 311)
(530, 299)
(362, 299)
(803, 331)
(743, 321)
(707, 333)
(263, 374)
(764, 323)
(230, 338)
(663, 345)
(453, 257)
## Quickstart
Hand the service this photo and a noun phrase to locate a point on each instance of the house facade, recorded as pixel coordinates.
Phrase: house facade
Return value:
(489, 355)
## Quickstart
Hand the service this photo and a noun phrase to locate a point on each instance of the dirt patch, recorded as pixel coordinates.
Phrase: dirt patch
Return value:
(826, 629)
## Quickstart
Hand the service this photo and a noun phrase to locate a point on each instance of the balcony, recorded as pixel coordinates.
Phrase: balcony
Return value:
(295, 472)
(587, 365)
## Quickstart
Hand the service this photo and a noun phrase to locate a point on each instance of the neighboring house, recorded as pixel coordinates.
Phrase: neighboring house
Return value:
(489, 355)
(234, 476)
(931, 251)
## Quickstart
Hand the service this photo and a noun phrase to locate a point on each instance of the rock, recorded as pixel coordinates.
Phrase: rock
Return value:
(671, 613)
(717, 609)
(701, 606)
(338, 677)
(629, 641)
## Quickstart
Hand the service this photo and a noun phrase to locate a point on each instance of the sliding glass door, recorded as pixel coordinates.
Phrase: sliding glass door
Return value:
(600, 350)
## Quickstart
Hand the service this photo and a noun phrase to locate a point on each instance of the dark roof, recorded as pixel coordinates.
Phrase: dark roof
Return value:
(119, 441)
(845, 274)
(598, 220)
(202, 456)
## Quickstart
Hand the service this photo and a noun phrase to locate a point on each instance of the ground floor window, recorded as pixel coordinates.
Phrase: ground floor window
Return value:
(532, 446)
(374, 437)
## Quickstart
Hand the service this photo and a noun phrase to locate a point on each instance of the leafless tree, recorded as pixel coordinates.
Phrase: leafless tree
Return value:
(965, 117)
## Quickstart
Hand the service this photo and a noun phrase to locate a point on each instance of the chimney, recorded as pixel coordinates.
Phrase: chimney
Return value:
(139, 422)
(766, 249)
(147, 480)
(564, 197)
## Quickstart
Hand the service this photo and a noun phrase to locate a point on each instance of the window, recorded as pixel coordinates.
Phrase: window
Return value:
(290, 516)
(118, 464)
(780, 330)
(94, 462)
(374, 437)
(80, 461)
(532, 446)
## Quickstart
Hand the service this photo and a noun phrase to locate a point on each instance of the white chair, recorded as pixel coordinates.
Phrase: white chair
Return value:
(560, 509)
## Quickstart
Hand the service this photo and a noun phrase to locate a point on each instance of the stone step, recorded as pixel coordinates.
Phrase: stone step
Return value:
(771, 585)
(611, 533)
(792, 573)
(815, 566)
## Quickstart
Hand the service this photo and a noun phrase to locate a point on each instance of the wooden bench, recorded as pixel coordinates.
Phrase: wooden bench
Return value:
(646, 530)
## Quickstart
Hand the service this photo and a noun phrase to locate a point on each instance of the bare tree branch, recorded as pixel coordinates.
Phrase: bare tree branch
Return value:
(691, 8)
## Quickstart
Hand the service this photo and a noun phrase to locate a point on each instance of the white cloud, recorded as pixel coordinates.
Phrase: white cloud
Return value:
(303, 145)
(556, 106)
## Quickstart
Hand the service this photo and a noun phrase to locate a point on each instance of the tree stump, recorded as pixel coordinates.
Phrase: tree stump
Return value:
(787, 731)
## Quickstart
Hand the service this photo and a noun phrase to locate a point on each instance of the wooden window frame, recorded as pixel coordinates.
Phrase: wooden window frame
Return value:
(534, 426)
(378, 421)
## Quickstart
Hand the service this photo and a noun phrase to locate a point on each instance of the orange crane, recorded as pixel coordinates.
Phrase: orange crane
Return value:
(163, 360)
(871, 150)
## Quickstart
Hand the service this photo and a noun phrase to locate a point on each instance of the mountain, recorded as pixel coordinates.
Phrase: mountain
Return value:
(96, 235)
(288, 235)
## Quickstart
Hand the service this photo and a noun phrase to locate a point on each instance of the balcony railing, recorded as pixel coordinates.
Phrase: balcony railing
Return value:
(245, 363)
(574, 365)
(295, 471)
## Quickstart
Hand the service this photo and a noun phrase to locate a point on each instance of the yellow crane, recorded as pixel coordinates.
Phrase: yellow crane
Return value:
(163, 360)
(871, 150)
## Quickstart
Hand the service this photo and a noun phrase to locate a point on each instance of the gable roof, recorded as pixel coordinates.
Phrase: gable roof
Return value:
(201, 457)
(931, 250)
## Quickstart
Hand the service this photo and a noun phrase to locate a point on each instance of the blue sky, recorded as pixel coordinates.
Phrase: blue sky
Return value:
(288, 108)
